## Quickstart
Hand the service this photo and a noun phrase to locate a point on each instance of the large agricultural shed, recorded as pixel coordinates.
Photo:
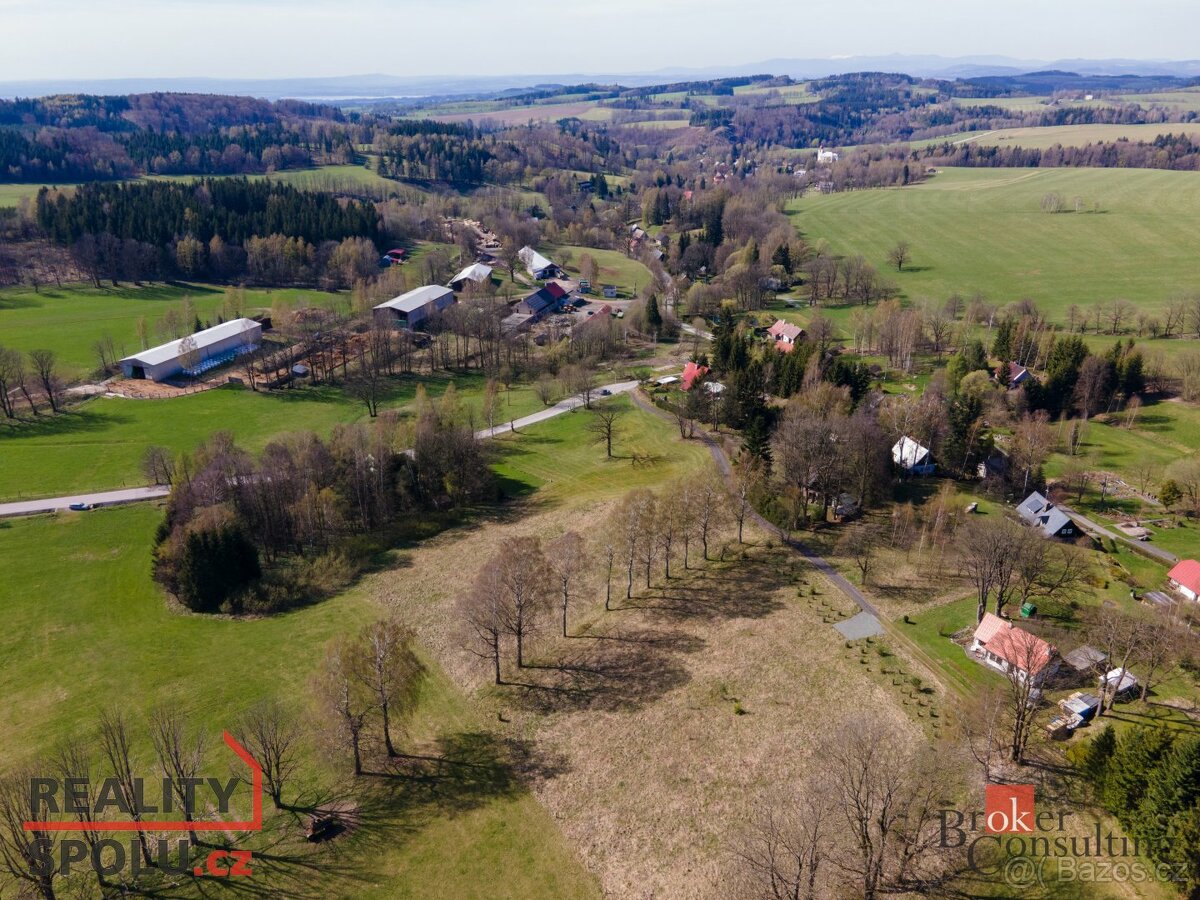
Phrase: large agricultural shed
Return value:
(411, 309)
(201, 351)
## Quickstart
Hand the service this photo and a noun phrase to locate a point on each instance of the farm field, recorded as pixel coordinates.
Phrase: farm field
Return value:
(70, 319)
(99, 444)
(103, 627)
(487, 837)
(1069, 135)
(983, 230)
(627, 274)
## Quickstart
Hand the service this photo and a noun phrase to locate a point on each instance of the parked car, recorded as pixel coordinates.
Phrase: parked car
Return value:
(605, 392)
(80, 507)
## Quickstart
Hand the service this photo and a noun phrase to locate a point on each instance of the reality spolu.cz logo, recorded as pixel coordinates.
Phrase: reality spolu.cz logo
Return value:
(128, 801)
(1011, 841)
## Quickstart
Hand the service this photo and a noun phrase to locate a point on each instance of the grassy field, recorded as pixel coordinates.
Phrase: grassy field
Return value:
(1070, 135)
(96, 619)
(983, 230)
(99, 624)
(99, 444)
(70, 319)
(627, 274)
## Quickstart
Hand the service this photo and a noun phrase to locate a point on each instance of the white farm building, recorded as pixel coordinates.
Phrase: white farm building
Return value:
(411, 309)
(196, 353)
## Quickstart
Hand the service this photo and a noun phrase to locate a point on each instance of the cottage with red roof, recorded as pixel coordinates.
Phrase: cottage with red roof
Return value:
(1185, 578)
(691, 374)
(785, 334)
(1013, 650)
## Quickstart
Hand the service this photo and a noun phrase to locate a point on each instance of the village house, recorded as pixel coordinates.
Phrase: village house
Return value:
(1017, 375)
(1185, 578)
(691, 374)
(785, 335)
(912, 457)
(1039, 512)
(411, 309)
(1010, 649)
(827, 156)
(537, 265)
(541, 302)
(474, 274)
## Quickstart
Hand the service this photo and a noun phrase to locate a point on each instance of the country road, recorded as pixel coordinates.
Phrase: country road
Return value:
(158, 491)
(101, 498)
(1141, 546)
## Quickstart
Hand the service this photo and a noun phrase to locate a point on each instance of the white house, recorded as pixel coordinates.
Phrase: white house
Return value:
(1185, 578)
(201, 351)
(537, 265)
(411, 309)
(912, 457)
(827, 156)
(1013, 650)
(477, 273)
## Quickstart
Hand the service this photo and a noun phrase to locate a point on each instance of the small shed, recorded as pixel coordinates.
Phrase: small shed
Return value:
(1085, 658)
(1119, 681)
(610, 292)
(1083, 705)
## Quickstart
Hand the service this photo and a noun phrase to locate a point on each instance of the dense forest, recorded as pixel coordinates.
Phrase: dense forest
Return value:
(86, 138)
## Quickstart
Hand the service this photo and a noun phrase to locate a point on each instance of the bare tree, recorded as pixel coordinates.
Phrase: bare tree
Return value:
(603, 427)
(342, 698)
(988, 556)
(568, 559)
(861, 544)
(1028, 657)
(708, 510)
(748, 480)
(982, 728)
(11, 367)
(545, 389)
(72, 760)
(44, 364)
(899, 255)
(179, 758)
(158, 465)
(888, 790)
(387, 667)
(524, 578)
(189, 354)
(271, 736)
(481, 613)
(114, 742)
(1122, 638)
(24, 852)
(783, 850)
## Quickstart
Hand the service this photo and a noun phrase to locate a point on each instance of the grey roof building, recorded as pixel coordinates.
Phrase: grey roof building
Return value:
(1039, 512)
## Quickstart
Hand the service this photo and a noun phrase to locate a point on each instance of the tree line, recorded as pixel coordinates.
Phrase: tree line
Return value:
(246, 534)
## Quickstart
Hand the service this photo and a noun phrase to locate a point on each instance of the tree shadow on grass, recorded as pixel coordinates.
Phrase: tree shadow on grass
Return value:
(75, 421)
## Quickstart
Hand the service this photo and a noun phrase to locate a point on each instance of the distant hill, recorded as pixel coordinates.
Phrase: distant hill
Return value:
(379, 86)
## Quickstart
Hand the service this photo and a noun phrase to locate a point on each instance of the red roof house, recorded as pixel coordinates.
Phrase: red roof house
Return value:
(1185, 578)
(555, 290)
(786, 334)
(692, 373)
(1009, 648)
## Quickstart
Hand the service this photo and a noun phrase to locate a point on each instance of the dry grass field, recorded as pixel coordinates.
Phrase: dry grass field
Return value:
(666, 718)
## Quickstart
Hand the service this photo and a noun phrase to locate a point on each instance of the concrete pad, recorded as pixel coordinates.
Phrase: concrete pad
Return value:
(864, 625)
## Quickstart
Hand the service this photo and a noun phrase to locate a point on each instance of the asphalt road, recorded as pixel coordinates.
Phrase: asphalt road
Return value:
(155, 491)
(562, 406)
(102, 498)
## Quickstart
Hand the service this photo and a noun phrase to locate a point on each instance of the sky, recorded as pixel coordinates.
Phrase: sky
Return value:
(46, 39)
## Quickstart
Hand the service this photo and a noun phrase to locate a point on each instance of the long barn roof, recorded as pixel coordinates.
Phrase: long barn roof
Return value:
(202, 339)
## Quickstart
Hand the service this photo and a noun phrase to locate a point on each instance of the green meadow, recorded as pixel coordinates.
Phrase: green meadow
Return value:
(99, 444)
(97, 621)
(983, 230)
(69, 320)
